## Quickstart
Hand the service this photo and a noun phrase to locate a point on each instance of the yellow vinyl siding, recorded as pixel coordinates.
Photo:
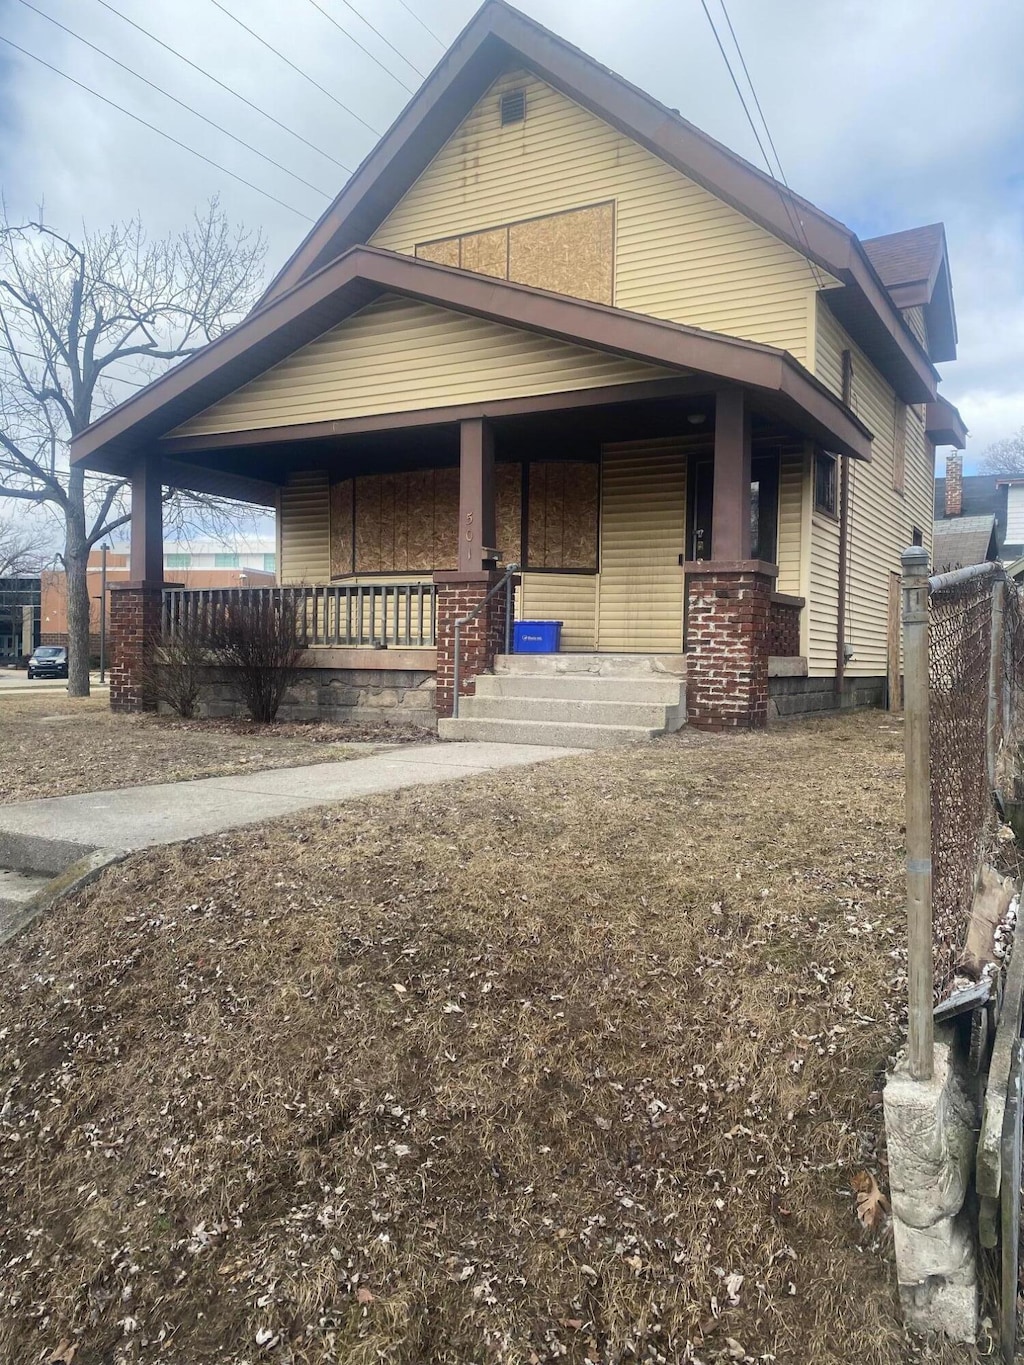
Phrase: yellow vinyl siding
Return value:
(791, 502)
(401, 355)
(680, 253)
(643, 531)
(881, 520)
(305, 529)
(914, 318)
(822, 608)
(569, 598)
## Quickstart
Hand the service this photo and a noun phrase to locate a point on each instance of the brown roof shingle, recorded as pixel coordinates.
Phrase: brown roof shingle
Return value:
(910, 257)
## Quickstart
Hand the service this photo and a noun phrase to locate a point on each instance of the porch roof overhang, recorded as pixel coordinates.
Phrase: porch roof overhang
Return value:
(944, 425)
(777, 383)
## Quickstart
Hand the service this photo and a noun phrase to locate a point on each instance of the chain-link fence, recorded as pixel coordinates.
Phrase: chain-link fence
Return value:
(964, 653)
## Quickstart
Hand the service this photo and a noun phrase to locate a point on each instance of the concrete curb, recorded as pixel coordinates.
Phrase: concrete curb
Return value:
(80, 874)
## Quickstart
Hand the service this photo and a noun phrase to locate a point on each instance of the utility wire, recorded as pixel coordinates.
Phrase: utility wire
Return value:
(794, 221)
(385, 41)
(181, 103)
(52, 362)
(352, 38)
(210, 77)
(298, 69)
(154, 129)
(764, 121)
(422, 23)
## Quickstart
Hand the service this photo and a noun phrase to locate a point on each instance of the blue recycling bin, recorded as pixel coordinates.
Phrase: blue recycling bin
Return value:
(537, 637)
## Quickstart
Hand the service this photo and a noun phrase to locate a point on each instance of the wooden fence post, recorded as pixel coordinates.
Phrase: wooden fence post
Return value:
(995, 682)
(920, 969)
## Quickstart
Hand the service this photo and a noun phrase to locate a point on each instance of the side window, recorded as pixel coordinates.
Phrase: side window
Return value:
(825, 482)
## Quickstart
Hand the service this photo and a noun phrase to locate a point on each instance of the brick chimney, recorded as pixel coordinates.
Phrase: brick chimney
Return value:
(954, 483)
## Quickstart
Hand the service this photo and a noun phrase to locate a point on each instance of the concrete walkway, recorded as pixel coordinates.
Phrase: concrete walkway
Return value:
(137, 817)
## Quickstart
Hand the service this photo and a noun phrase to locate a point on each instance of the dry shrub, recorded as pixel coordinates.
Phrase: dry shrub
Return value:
(258, 638)
(523, 1069)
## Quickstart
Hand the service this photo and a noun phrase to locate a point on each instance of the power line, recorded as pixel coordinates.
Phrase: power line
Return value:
(422, 23)
(352, 38)
(181, 103)
(298, 69)
(210, 77)
(52, 362)
(794, 221)
(154, 129)
(385, 41)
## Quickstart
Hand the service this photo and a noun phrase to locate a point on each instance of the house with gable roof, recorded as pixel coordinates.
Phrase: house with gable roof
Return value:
(549, 323)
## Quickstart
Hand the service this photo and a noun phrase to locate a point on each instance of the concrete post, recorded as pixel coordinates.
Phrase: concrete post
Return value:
(920, 971)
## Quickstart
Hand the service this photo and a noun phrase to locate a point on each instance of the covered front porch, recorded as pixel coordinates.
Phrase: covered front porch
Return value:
(650, 481)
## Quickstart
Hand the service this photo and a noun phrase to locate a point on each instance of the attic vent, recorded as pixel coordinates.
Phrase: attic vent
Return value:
(513, 107)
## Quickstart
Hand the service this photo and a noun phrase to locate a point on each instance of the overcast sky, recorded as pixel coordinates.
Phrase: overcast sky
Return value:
(887, 114)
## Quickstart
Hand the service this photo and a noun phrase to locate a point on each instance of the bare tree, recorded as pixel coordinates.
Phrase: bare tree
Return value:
(20, 555)
(1005, 456)
(81, 326)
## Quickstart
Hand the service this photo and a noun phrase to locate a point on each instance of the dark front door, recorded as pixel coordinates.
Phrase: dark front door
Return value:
(702, 487)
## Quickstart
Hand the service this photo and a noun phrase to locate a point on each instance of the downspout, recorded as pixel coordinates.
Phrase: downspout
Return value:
(844, 538)
(844, 532)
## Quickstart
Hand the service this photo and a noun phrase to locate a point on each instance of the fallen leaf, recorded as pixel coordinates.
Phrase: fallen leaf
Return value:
(363, 1296)
(63, 1354)
(872, 1205)
(736, 1351)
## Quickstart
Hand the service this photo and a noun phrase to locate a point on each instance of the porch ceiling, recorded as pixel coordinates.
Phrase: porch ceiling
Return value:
(777, 383)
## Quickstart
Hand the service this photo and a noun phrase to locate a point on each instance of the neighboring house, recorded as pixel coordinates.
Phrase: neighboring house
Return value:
(995, 499)
(549, 322)
(19, 619)
(192, 567)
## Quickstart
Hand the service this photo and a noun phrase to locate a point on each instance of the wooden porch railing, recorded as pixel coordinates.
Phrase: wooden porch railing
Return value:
(343, 615)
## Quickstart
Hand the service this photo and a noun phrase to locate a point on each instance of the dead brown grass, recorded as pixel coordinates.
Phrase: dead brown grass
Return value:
(53, 745)
(527, 1069)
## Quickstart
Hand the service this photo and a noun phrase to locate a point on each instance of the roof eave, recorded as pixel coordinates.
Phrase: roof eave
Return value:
(324, 299)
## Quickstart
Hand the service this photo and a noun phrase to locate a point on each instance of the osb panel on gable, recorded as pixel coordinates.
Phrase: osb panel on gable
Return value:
(441, 253)
(508, 515)
(568, 253)
(342, 544)
(486, 253)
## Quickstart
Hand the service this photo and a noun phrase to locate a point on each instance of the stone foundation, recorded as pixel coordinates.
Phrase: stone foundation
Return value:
(385, 695)
(480, 642)
(796, 696)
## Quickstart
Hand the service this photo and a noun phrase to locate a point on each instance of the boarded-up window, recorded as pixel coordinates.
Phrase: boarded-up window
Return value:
(569, 253)
(899, 446)
(508, 512)
(342, 543)
(562, 515)
(402, 523)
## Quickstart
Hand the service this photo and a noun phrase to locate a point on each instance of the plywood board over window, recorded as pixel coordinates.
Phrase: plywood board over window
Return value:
(562, 515)
(508, 511)
(343, 550)
(569, 253)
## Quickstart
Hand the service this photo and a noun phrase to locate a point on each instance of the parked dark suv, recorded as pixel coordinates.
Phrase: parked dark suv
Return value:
(49, 661)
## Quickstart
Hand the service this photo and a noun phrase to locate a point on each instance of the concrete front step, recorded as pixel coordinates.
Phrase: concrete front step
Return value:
(649, 689)
(646, 715)
(563, 734)
(599, 665)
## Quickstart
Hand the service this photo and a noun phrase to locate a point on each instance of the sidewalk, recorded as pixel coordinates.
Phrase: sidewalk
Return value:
(137, 817)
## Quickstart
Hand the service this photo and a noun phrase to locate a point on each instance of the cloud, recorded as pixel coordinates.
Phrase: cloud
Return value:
(886, 116)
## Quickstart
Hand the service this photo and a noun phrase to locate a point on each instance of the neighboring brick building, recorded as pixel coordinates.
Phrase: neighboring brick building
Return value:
(178, 568)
